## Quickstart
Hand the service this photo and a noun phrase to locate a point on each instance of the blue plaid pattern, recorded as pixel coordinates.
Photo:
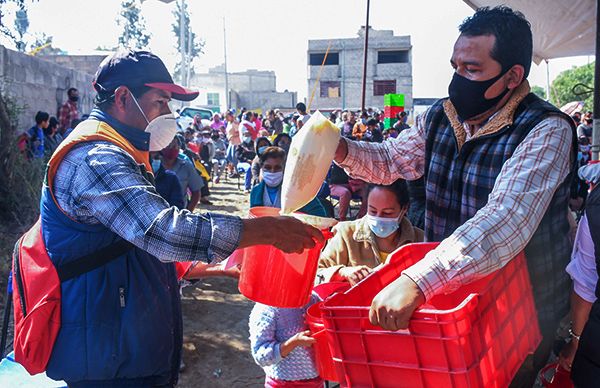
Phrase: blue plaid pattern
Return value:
(99, 183)
(459, 182)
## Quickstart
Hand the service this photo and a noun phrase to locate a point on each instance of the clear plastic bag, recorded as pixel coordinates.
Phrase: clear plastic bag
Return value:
(311, 152)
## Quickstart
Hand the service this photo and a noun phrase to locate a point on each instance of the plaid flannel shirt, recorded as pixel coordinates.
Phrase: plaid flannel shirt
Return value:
(522, 192)
(99, 183)
(67, 113)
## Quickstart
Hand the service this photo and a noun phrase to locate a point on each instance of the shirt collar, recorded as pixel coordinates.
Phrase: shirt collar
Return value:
(139, 139)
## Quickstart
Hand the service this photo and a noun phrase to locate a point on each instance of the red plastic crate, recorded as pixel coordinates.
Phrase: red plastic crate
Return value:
(477, 336)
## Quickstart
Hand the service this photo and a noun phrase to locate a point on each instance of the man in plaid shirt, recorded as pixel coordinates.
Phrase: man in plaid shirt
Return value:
(68, 111)
(497, 163)
(98, 191)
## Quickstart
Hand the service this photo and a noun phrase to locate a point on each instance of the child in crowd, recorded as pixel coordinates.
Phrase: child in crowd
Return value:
(282, 346)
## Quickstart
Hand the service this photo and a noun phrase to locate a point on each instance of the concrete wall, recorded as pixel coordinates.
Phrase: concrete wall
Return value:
(350, 68)
(37, 84)
(84, 63)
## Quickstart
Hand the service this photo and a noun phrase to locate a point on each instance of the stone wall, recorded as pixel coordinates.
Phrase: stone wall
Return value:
(84, 63)
(38, 84)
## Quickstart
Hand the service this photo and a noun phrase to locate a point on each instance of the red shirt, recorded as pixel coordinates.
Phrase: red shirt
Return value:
(67, 113)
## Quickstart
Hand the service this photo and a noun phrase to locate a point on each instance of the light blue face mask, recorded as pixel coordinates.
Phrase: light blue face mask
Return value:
(383, 227)
(155, 165)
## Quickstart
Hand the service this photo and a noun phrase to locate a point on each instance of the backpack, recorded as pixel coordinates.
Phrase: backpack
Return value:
(37, 294)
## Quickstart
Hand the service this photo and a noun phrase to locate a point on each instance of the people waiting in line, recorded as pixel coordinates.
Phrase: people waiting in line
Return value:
(359, 246)
(262, 143)
(189, 178)
(52, 138)
(68, 111)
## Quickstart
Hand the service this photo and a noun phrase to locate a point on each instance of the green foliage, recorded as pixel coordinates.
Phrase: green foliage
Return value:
(562, 87)
(187, 41)
(134, 33)
(539, 91)
(20, 178)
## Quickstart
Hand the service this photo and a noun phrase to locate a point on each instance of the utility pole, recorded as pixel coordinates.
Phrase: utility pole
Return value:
(364, 79)
(228, 106)
(188, 63)
(181, 43)
(343, 75)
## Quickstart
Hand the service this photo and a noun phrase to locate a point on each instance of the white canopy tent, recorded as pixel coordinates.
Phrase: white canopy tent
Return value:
(561, 28)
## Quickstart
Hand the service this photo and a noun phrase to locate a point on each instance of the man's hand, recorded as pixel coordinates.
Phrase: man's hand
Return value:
(394, 305)
(342, 151)
(354, 274)
(567, 354)
(285, 233)
(299, 339)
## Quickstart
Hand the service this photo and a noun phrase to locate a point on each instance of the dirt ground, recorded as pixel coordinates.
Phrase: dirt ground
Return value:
(215, 317)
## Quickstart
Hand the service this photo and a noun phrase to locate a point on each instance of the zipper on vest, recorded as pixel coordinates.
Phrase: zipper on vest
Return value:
(122, 296)
(17, 275)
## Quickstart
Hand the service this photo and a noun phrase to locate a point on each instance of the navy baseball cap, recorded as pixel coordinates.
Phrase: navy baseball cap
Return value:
(138, 68)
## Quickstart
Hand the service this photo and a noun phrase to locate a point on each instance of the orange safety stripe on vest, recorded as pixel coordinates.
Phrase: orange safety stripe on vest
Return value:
(92, 130)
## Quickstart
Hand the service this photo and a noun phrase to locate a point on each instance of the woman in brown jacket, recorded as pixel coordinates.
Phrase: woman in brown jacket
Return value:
(361, 245)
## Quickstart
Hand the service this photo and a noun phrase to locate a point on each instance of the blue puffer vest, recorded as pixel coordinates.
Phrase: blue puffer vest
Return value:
(121, 323)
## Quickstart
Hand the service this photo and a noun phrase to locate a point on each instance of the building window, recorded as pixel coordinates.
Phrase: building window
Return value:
(316, 59)
(396, 56)
(212, 99)
(330, 89)
(384, 87)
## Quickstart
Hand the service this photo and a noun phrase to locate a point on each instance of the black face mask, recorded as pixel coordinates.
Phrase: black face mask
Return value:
(468, 96)
(74, 98)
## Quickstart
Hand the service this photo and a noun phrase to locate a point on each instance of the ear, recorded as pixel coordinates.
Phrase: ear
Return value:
(121, 98)
(515, 76)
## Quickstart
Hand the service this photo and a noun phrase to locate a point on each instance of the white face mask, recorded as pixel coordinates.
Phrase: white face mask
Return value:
(272, 179)
(162, 129)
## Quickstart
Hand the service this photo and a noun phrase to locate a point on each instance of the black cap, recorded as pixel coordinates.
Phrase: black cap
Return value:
(138, 68)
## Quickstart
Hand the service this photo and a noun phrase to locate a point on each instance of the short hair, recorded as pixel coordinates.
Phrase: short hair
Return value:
(71, 90)
(272, 152)
(40, 117)
(399, 188)
(514, 41)
(248, 116)
(53, 122)
(301, 107)
(278, 138)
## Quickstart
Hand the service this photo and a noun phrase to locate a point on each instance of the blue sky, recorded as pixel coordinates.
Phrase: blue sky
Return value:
(274, 34)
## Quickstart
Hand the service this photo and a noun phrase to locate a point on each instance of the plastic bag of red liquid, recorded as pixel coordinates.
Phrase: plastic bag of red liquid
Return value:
(273, 277)
(560, 379)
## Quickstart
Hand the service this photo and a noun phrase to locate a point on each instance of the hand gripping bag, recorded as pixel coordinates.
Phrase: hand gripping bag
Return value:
(309, 158)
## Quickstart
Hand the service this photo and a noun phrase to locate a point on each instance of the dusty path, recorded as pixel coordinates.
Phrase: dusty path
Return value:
(215, 318)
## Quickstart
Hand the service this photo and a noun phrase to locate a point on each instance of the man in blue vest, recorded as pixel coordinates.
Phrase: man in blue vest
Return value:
(121, 322)
(497, 163)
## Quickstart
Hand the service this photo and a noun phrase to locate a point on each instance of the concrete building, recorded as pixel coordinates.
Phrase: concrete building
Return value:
(252, 89)
(389, 70)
